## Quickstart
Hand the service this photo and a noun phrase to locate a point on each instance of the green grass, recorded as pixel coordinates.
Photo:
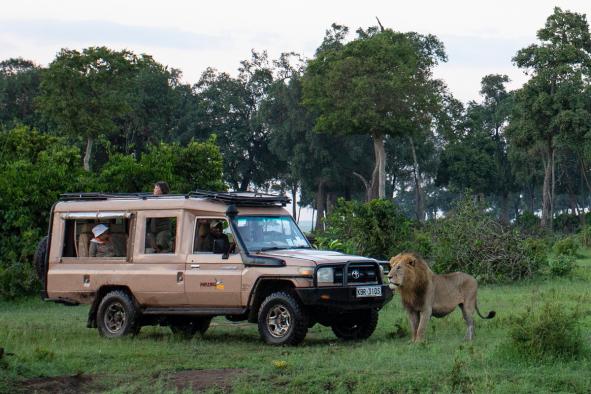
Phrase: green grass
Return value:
(52, 340)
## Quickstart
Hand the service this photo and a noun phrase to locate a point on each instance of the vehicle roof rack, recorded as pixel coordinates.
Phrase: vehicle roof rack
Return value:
(251, 199)
(93, 196)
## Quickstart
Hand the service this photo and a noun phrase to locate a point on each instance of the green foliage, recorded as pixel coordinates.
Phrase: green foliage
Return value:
(35, 168)
(195, 166)
(561, 265)
(377, 228)
(473, 241)
(585, 236)
(567, 246)
(551, 331)
(528, 223)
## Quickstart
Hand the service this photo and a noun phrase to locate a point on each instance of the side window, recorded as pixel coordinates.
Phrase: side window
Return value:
(212, 236)
(160, 235)
(96, 238)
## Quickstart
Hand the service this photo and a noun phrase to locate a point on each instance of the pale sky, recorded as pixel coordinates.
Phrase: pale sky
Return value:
(480, 36)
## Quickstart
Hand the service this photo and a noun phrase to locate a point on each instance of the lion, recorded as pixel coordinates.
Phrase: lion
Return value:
(425, 294)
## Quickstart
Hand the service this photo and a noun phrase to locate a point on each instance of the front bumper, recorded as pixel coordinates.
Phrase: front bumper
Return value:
(342, 298)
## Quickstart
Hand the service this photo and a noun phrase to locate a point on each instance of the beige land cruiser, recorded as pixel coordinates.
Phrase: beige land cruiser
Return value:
(180, 260)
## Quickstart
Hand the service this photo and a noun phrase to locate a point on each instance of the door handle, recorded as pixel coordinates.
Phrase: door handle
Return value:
(194, 266)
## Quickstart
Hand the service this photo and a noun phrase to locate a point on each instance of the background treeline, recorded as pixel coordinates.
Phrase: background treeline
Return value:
(361, 130)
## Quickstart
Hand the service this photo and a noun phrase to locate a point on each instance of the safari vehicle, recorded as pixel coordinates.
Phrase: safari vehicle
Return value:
(260, 269)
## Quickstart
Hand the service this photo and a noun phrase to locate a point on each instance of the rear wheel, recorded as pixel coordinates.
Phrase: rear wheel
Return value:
(355, 326)
(40, 259)
(117, 315)
(282, 320)
(188, 328)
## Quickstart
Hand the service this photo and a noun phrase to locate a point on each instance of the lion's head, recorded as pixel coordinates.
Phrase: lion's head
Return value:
(408, 272)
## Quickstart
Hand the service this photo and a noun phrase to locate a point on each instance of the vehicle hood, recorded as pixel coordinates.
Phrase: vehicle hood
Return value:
(314, 256)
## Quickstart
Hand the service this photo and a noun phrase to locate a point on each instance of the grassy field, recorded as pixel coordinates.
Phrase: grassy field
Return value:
(51, 350)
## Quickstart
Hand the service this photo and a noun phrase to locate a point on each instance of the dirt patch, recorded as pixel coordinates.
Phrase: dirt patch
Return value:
(204, 379)
(58, 384)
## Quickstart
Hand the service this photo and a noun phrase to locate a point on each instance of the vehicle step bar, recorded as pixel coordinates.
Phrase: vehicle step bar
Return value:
(194, 311)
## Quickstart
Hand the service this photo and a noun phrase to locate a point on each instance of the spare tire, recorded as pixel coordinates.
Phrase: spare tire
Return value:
(40, 259)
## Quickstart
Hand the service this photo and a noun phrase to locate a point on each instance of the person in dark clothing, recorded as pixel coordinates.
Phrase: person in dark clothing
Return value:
(219, 241)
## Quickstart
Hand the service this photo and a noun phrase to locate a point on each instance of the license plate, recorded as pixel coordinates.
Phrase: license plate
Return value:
(369, 291)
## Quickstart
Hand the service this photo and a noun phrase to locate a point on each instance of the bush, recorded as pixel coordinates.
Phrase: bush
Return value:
(378, 228)
(528, 224)
(473, 241)
(550, 332)
(561, 265)
(567, 246)
(585, 236)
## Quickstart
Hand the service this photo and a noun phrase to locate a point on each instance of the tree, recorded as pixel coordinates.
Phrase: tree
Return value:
(84, 93)
(230, 107)
(374, 85)
(19, 85)
(552, 104)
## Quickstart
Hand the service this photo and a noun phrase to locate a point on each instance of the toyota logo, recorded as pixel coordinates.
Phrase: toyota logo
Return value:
(355, 274)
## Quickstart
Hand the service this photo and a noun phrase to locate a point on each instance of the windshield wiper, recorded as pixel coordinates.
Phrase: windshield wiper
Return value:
(271, 248)
(282, 248)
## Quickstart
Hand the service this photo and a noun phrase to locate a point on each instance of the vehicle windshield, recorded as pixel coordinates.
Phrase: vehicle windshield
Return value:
(260, 233)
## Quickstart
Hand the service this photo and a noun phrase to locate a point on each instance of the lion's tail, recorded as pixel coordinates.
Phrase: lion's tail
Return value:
(490, 315)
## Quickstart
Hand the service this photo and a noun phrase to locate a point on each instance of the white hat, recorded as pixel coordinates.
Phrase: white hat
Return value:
(99, 229)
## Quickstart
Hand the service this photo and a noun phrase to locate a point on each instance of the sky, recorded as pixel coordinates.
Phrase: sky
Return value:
(480, 37)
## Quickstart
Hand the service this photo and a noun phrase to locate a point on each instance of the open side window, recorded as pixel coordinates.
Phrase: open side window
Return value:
(213, 235)
(160, 236)
(79, 240)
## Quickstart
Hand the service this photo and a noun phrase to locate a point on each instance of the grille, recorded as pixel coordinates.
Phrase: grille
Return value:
(358, 273)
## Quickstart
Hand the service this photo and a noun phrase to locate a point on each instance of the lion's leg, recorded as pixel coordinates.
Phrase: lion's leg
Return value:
(413, 319)
(468, 314)
(424, 319)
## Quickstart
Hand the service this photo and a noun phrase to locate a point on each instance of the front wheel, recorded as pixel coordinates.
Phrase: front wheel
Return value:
(117, 315)
(282, 320)
(355, 326)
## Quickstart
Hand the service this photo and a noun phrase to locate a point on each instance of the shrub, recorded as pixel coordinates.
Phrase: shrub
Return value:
(561, 265)
(567, 246)
(472, 240)
(528, 223)
(550, 332)
(585, 236)
(377, 228)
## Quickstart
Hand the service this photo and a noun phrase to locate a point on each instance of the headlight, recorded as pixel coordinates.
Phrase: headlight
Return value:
(325, 275)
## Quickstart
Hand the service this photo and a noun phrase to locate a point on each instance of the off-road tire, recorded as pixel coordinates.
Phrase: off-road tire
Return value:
(188, 328)
(117, 315)
(282, 320)
(356, 326)
(40, 259)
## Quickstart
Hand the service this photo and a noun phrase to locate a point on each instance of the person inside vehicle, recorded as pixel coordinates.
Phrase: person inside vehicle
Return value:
(202, 238)
(159, 236)
(101, 245)
(219, 241)
(161, 188)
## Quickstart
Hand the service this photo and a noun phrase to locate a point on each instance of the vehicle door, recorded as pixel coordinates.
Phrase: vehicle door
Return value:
(157, 276)
(213, 277)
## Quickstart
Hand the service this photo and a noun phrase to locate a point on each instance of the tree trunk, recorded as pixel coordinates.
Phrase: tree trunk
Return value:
(244, 184)
(88, 153)
(331, 202)
(504, 217)
(419, 205)
(378, 181)
(294, 191)
(320, 206)
(547, 190)
(368, 188)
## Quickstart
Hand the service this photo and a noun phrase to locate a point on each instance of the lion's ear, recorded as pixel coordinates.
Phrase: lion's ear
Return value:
(412, 262)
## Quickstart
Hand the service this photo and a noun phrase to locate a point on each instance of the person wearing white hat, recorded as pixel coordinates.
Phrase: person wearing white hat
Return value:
(101, 245)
